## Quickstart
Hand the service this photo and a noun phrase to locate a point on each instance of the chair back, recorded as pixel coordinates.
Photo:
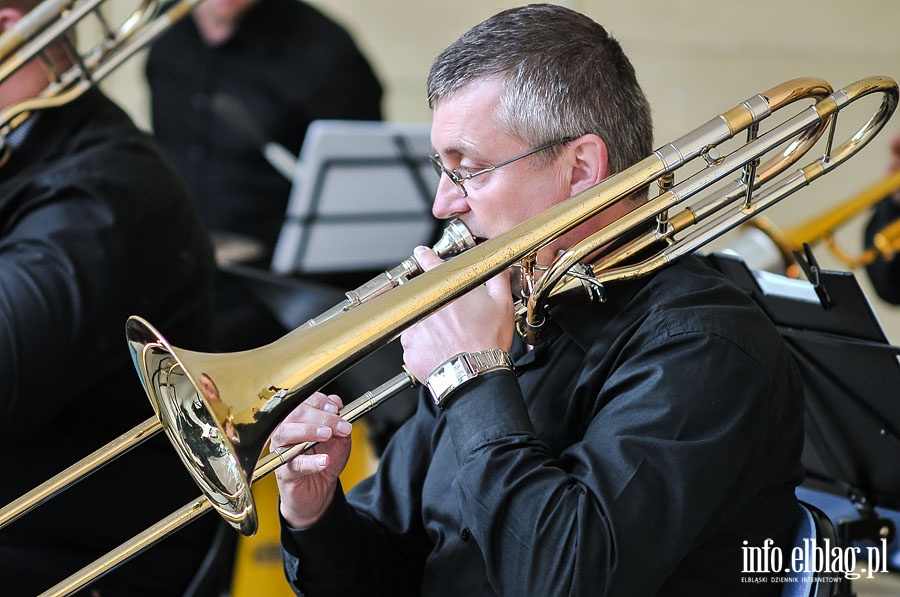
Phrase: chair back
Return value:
(814, 527)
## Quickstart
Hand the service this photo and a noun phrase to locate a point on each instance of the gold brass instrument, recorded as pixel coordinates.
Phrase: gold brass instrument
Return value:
(53, 21)
(885, 244)
(455, 239)
(821, 228)
(219, 409)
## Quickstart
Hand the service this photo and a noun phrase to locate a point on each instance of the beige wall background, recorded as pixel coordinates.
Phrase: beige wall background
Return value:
(695, 58)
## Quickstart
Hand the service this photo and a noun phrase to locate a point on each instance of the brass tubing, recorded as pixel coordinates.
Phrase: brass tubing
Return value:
(816, 228)
(807, 127)
(38, 30)
(81, 469)
(887, 240)
(15, 43)
(794, 181)
(200, 506)
(818, 118)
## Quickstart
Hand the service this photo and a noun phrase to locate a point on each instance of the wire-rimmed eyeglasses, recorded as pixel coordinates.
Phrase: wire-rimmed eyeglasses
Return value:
(458, 178)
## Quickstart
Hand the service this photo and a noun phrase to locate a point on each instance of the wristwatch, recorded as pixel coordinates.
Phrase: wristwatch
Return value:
(463, 367)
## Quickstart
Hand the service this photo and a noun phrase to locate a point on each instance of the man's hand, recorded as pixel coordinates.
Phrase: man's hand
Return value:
(478, 320)
(307, 483)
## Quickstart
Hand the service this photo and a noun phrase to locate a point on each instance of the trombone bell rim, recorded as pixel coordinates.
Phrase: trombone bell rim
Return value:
(187, 409)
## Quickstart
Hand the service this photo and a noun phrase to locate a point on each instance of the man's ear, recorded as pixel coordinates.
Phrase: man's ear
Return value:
(8, 18)
(589, 163)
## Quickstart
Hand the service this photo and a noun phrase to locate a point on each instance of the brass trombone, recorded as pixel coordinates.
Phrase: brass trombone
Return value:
(219, 409)
(455, 239)
(53, 21)
(821, 228)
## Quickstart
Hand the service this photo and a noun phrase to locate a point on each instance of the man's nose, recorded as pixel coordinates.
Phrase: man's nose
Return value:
(448, 200)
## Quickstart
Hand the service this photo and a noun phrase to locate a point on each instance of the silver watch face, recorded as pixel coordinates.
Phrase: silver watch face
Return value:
(446, 377)
(463, 367)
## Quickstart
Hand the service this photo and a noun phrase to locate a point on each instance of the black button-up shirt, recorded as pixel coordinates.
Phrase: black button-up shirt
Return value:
(633, 453)
(94, 226)
(286, 65)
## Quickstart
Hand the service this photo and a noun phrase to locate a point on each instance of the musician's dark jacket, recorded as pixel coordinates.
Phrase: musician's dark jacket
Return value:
(287, 65)
(636, 452)
(883, 273)
(94, 227)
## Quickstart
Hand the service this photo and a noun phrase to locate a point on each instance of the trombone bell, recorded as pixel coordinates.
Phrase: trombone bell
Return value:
(203, 431)
(218, 409)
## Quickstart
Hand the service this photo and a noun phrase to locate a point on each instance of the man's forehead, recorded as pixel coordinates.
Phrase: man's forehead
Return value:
(465, 122)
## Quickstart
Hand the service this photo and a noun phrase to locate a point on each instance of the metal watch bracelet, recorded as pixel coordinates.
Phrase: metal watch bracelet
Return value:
(463, 367)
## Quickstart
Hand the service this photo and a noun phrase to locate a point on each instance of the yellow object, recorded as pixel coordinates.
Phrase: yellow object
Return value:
(257, 568)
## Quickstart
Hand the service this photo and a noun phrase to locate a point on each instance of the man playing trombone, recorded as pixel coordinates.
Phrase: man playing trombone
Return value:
(634, 451)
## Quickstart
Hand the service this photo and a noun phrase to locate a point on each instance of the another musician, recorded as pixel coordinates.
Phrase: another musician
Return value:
(884, 273)
(636, 451)
(231, 77)
(94, 226)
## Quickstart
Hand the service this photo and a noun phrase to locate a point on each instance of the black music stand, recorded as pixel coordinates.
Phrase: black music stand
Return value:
(361, 198)
(851, 374)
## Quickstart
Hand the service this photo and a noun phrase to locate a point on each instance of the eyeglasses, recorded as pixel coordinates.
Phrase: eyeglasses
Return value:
(458, 178)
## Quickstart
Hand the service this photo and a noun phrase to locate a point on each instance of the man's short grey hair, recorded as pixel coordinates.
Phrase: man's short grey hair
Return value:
(562, 76)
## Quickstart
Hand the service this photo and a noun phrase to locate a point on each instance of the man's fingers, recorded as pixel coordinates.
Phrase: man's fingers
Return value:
(427, 258)
(316, 419)
(330, 403)
(309, 464)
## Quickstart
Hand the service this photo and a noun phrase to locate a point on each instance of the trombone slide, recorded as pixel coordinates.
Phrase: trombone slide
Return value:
(196, 508)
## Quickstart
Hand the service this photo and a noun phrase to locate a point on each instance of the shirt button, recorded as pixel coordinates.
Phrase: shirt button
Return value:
(465, 535)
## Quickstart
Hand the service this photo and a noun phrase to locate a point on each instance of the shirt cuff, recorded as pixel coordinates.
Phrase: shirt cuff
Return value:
(314, 547)
(486, 408)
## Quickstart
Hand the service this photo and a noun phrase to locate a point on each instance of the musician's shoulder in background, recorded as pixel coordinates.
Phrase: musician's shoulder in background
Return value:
(884, 270)
(235, 76)
(95, 226)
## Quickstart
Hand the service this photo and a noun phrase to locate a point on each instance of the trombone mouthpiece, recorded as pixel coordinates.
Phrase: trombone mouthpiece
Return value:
(455, 239)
